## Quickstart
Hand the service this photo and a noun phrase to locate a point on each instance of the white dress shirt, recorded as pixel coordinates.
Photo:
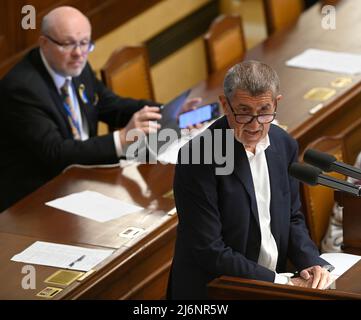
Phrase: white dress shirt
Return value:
(59, 81)
(268, 251)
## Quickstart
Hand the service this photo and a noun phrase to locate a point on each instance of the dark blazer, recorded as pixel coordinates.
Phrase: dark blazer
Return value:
(218, 231)
(35, 137)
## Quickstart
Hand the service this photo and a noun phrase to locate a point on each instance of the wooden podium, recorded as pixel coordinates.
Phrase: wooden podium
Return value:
(351, 221)
(348, 286)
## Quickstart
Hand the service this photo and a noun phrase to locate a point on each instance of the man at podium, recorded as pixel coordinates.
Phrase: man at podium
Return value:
(246, 223)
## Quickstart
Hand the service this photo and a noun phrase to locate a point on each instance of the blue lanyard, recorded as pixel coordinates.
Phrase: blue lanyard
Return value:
(68, 111)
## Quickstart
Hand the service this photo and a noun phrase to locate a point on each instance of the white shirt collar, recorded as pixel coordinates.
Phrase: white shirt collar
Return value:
(58, 79)
(260, 147)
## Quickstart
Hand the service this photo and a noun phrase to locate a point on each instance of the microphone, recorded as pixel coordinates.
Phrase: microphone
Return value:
(313, 176)
(328, 163)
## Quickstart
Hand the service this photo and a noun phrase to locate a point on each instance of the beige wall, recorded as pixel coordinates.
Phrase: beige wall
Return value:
(187, 66)
(180, 71)
(172, 74)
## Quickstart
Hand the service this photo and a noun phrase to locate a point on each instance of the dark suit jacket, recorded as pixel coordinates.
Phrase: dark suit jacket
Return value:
(35, 136)
(218, 231)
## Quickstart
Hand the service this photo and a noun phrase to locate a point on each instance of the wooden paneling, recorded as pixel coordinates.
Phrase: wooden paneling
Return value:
(104, 16)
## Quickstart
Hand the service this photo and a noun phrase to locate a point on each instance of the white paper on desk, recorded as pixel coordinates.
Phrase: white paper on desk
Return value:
(93, 205)
(315, 59)
(62, 256)
(121, 164)
(170, 155)
(341, 261)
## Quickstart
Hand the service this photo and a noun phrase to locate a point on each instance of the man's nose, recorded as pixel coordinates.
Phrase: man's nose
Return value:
(253, 124)
(77, 51)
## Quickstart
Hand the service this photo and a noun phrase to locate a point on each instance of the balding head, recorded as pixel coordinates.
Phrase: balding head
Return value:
(62, 18)
(65, 35)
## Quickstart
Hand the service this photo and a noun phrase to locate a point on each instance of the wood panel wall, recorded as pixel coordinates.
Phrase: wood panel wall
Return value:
(104, 16)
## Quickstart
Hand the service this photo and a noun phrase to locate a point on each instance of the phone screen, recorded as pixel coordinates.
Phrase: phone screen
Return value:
(193, 117)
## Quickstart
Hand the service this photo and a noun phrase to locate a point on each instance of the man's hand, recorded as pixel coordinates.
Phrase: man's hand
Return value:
(300, 282)
(189, 105)
(313, 277)
(142, 122)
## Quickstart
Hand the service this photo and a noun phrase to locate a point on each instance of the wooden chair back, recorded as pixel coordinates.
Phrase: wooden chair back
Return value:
(281, 14)
(224, 42)
(127, 73)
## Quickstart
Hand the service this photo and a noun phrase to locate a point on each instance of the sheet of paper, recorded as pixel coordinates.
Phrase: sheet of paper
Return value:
(93, 205)
(171, 154)
(341, 261)
(315, 59)
(62, 256)
(121, 164)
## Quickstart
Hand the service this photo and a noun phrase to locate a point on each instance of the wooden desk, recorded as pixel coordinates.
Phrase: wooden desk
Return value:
(351, 221)
(293, 109)
(348, 286)
(139, 267)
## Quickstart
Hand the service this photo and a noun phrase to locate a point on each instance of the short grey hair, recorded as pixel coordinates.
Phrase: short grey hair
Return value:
(253, 77)
(45, 25)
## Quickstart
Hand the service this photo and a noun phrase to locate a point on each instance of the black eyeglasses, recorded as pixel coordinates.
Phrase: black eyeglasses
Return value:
(242, 118)
(85, 45)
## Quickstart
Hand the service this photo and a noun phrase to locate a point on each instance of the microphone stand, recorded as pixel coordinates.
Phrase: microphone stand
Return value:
(345, 186)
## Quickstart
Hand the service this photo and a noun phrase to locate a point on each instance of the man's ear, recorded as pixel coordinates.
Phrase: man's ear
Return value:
(279, 97)
(41, 41)
(224, 104)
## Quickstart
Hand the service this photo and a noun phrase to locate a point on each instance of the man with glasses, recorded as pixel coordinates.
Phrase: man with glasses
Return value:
(51, 103)
(247, 223)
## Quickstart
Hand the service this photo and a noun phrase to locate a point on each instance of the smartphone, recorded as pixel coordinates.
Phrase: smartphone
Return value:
(199, 115)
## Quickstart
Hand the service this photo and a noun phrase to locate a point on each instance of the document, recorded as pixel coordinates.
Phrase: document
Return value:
(170, 155)
(341, 261)
(331, 61)
(121, 164)
(94, 205)
(62, 256)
